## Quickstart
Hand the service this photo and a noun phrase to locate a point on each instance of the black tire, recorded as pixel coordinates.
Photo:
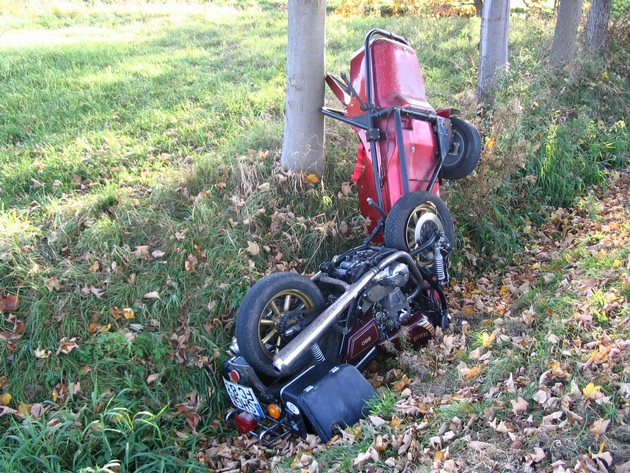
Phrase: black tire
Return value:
(465, 152)
(401, 223)
(266, 310)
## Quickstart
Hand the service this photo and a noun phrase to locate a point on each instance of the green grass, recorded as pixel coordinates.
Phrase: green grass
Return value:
(138, 157)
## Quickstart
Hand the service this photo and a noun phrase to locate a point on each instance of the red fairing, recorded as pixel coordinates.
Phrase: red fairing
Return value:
(397, 83)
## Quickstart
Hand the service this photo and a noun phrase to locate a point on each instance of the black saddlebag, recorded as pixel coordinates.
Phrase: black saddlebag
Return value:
(329, 397)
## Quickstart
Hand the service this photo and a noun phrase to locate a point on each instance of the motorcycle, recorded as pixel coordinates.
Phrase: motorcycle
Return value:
(301, 343)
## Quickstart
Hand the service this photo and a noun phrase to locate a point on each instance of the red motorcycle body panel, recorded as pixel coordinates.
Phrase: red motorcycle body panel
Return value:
(362, 337)
(397, 83)
(396, 76)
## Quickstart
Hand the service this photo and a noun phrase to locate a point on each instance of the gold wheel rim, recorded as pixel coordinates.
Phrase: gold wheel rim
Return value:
(410, 230)
(269, 336)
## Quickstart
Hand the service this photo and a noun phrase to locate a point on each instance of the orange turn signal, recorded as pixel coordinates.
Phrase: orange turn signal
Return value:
(274, 411)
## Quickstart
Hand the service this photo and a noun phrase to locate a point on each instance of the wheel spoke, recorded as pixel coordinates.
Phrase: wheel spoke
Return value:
(269, 336)
(411, 237)
(267, 322)
(274, 309)
(287, 303)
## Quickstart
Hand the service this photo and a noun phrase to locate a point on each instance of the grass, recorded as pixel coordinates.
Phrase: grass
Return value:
(138, 160)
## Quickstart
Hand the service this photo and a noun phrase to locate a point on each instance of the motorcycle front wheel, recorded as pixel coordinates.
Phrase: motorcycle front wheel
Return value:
(413, 219)
(272, 313)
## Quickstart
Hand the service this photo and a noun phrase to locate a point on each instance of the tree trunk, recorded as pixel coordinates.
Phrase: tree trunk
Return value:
(597, 25)
(303, 148)
(565, 34)
(495, 29)
(478, 7)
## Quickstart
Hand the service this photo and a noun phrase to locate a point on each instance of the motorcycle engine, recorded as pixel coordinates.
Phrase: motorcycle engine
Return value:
(393, 310)
(385, 296)
(391, 307)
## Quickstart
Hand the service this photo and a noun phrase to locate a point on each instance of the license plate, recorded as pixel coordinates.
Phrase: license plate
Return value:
(243, 397)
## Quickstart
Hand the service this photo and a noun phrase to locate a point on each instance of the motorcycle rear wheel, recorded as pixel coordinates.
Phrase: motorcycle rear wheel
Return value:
(413, 210)
(271, 307)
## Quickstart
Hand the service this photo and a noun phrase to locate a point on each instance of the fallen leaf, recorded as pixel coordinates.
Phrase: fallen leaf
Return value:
(141, 251)
(5, 399)
(95, 328)
(369, 454)
(67, 345)
(519, 406)
(41, 354)
(53, 283)
(376, 421)
(9, 303)
(191, 263)
(253, 248)
(487, 339)
(312, 178)
(478, 446)
(599, 427)
(4, 410)
(510, 386)
(153, 377)
(152, 295)
(605, 456)
(592, 392)
(395, 423)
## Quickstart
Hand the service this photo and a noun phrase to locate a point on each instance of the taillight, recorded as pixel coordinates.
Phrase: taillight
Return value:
(245, 422)
(235, 376)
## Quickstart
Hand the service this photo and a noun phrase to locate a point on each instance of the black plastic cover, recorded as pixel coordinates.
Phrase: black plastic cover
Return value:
(329, 397)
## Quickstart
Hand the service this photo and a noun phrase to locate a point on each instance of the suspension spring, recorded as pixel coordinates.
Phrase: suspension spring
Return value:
(439, 265)
(317, 353)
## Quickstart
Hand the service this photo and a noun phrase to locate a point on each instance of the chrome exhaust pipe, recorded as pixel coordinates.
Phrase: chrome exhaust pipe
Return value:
(285, 359)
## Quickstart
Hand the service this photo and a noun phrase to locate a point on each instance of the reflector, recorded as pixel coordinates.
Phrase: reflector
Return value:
(274, 411)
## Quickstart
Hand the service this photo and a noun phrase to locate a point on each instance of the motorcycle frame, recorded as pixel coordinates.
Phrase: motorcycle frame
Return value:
(367, 122)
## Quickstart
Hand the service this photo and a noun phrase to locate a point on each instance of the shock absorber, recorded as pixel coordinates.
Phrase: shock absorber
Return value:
(439, 264)
(317, 353)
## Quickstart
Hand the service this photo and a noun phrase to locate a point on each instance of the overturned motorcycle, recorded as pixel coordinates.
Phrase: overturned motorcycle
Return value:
(302, 343)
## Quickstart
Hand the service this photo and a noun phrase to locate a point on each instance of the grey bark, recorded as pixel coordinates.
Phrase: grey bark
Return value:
(495, 29)
(303, 148)
(597, 25)
(565, 34)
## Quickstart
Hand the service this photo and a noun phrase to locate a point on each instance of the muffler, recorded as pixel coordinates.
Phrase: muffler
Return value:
(286, 358)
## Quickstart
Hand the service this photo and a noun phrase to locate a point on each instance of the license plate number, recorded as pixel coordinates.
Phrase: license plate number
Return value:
(243, 397)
